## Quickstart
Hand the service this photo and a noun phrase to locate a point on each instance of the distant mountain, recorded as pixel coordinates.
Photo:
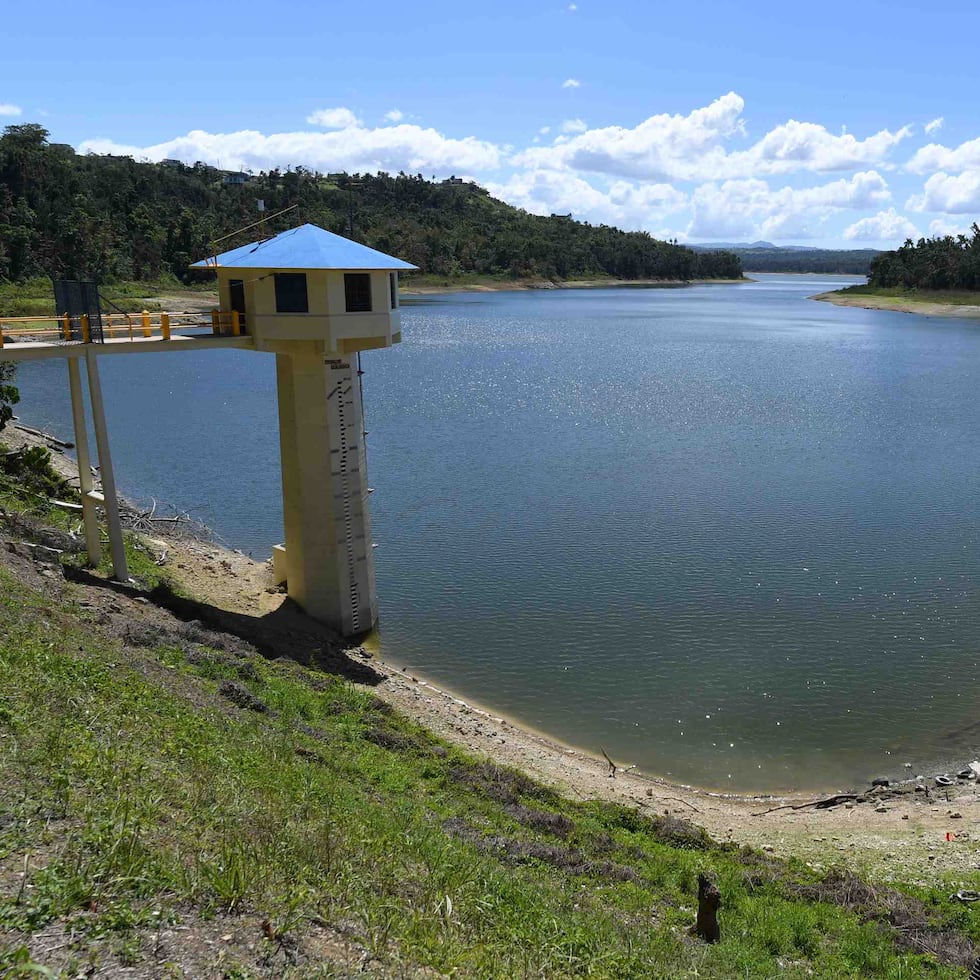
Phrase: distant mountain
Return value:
(750, 246)
(766, 257)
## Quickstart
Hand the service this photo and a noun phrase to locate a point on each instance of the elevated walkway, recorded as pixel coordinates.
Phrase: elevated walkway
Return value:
(35, 338)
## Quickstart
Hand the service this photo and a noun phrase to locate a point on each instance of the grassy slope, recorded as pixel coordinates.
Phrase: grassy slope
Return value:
(948, 297)
(135, 795)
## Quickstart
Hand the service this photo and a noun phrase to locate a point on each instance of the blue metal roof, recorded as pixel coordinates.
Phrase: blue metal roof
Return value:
(306, 247)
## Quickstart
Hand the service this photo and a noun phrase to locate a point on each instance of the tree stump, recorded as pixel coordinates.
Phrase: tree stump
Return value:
(709, 901)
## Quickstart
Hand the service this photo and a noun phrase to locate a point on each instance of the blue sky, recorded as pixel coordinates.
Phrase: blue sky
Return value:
(848, 124)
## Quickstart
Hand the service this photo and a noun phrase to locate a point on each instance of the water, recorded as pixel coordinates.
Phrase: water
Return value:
(725, 533)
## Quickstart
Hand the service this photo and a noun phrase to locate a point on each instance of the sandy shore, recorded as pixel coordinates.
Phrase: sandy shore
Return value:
(898, 305)
(902, 836)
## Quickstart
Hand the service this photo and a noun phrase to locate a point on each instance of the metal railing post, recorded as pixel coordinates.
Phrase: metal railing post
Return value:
(215, 322)
(147, 329)
(66, 326)
(165, 325)
(86, 330)
(236, 326)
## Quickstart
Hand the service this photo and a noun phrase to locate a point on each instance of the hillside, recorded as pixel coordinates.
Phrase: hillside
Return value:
(190, 791)
(766, 257)
(112, 218)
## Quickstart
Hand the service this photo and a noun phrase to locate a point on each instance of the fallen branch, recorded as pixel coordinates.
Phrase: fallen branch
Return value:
(674, 799)
(613, 768)
(54, 440)
(823, 804)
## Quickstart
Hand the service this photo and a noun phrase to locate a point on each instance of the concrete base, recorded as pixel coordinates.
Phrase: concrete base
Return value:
(328, 559)
(280, 571)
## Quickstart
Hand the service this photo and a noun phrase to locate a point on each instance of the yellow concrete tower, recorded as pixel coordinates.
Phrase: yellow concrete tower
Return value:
(316, 300)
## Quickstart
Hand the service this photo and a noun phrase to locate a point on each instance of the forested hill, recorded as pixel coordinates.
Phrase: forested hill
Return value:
(931, 263)
(111, 218)
(773, 258)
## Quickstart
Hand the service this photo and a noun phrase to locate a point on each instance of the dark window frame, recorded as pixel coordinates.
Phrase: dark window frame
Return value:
(357, 298)
(290, 298)
(393, 289)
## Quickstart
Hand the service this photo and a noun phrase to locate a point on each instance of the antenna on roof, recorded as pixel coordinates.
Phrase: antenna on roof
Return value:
(214, 242)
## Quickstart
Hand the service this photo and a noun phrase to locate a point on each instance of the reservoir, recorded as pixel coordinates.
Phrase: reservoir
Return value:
(722, 532)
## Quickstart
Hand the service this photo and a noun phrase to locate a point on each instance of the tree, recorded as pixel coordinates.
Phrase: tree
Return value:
(9, 395)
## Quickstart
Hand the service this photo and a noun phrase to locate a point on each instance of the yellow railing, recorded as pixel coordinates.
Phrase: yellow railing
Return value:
(120, 326)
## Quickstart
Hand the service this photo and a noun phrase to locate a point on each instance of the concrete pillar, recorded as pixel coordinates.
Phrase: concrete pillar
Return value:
(86, 485)
(330, 568)
(117, 548)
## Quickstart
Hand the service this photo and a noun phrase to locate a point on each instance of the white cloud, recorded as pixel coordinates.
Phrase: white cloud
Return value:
(544, 130)
(885, 226)
(339, 118)
(692, 147)
(808, 146)
(935, 156)
(935, 124)
(571, 83)
(572, 7)
(941, 227)
(9, 109)
(622, 203)
(394, 115)
(391, 148)
(574, 126)
(958, 194)
(750, 208)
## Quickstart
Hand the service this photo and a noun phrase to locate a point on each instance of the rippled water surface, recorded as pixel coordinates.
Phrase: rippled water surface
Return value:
(724, 532)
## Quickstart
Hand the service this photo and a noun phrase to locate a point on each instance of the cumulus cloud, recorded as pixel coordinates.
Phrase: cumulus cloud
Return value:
(9, 109)
(692, 147)
(574, 126)
(339, 118)
(959, 194)
(935, 156)
(622, 203)
(885, 226)
(392, 148)
(751, 208)
(941, 227)
(394, 115)
(571, 83)
(934, 124)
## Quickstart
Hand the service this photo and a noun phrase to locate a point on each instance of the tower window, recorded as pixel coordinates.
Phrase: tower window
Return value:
(291, 293)
(357, 291)
(393, 286)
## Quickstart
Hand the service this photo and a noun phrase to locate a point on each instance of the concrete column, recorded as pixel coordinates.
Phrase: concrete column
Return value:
(86, 484)
(330, 568)
(111, 503)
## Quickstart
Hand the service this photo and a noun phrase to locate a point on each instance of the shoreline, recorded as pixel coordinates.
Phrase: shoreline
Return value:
(527, 285)
(898, 304)
(899, 835)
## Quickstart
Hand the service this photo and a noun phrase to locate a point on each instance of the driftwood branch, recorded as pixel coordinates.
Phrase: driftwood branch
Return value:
(613, 768)
(823, 804)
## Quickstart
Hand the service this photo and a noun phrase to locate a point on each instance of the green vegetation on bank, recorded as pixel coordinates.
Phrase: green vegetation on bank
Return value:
(156, 774)
(825, 261)
(947, 263)
(113, 219)
(902, 294)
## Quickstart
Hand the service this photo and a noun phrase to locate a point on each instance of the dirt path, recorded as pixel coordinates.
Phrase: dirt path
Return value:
(911, 836)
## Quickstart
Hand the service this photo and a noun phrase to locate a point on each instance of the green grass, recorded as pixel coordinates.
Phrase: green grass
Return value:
(950, 297)
(136, 793)
(35, 297)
